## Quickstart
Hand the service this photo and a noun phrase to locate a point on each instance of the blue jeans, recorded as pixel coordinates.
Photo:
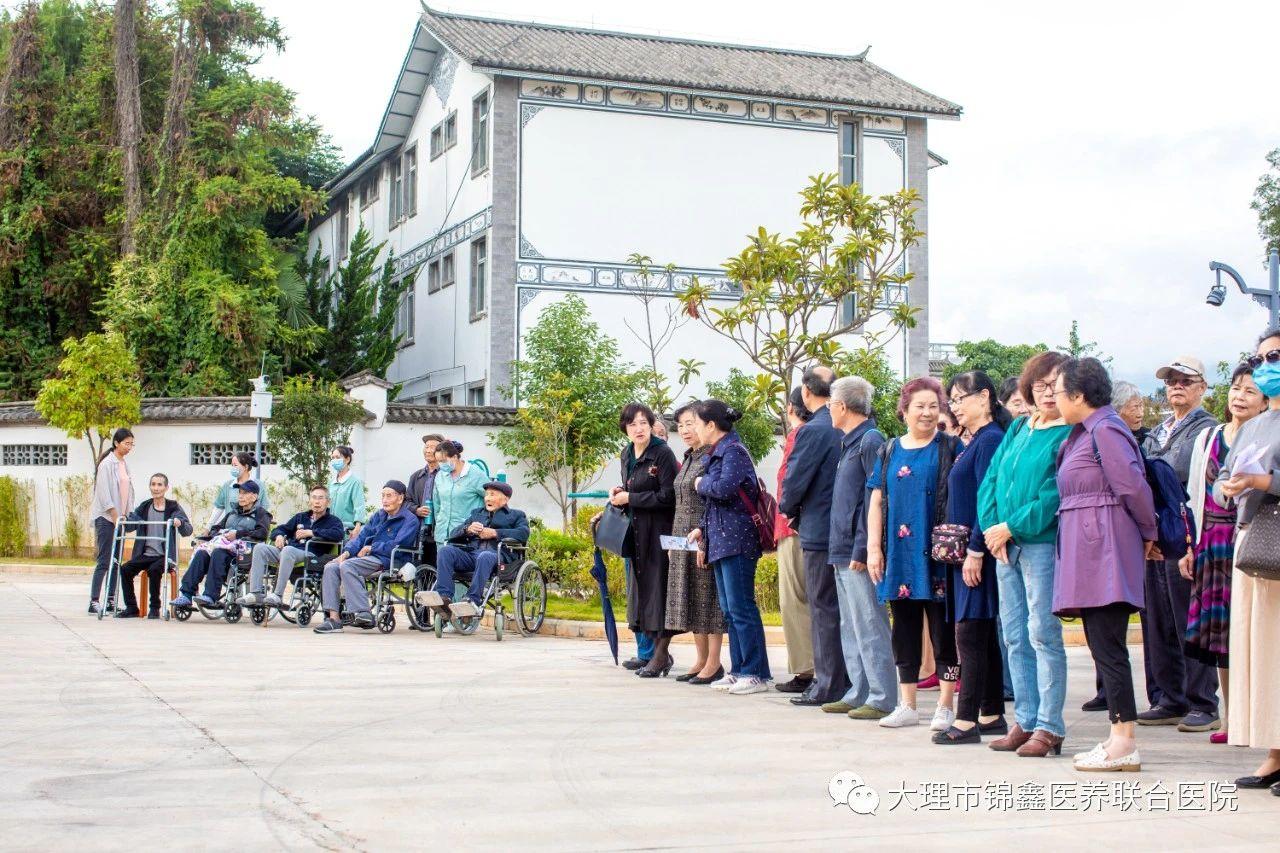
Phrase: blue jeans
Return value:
(1037, 659)
(736, 589)
(865, 640)
(450, 560)
(644, 642)
(1004, 659)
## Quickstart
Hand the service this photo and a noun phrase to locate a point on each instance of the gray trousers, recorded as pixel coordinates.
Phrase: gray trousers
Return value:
(350, 574)
(830, 677)
(265, 555)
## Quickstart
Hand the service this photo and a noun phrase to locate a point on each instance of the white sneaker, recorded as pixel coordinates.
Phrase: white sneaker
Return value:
(272, 600)
(750, 684)
(942, 719)
(725, 683)
(901, 716)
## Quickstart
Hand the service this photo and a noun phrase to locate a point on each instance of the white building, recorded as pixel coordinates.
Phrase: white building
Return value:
(518, 161)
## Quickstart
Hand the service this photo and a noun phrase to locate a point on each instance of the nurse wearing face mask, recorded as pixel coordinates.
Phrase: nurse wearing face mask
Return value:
(242, 465)
(346, 492)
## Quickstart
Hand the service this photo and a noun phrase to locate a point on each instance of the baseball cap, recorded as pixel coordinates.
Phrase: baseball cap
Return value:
(1188, 365)
(248, 486)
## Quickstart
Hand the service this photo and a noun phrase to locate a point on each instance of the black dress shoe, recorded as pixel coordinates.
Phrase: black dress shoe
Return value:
(127, 613)
(1275, 790)
(715, 676)
(1097, 703)
(688, 676)
(998, 726)
(799, 684)
(634, 663)
(953, 736)
(1267, 781)
(804, 700)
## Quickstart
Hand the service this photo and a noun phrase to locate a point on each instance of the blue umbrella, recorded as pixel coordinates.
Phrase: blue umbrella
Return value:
(606, 606)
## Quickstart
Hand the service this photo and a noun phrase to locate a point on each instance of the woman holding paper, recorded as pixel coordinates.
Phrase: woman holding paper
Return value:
(1254, 712)
(692, 604)
(1208, 565)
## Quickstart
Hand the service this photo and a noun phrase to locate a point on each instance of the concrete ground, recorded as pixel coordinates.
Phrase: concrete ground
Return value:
(206, 735)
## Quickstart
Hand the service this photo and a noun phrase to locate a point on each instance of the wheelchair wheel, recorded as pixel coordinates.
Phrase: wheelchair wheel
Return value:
(302, 615)
(425, 580)
(387, 620)
(182, 614)
(258, 615)
(499, 623)
(465, 625)
(531, 598)
(437, 623)
(232, 613)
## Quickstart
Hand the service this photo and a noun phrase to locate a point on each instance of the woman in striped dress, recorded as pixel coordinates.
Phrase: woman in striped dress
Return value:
(1208, 565)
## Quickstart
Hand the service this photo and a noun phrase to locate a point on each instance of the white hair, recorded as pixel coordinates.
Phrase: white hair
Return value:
(855, 393)
(1124, 392)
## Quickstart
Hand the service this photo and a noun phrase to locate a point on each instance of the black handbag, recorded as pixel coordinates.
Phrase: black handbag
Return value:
(613, 532)
(1259, 554)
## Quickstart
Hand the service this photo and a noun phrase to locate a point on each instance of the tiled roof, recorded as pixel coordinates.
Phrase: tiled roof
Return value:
(407, 413)
(626, 57)
(156, 409)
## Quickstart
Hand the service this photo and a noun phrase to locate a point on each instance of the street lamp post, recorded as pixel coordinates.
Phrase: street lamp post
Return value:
(1269, 298)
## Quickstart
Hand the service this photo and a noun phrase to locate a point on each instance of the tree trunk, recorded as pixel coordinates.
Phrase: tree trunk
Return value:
(176, 128)
(23, 64)
(128, 118)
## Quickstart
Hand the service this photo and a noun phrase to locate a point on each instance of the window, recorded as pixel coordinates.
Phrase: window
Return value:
(475, 395)
(344, 229)
(433, 276)
(437, 141)
(411, 182)
(34, 454)
(480, 133)
(479, 268)
(447, 276)
(218, 453)
(403, 327)
(440, 398)
(848, 152)
(369, 188)
(451, 130)
(396, 189)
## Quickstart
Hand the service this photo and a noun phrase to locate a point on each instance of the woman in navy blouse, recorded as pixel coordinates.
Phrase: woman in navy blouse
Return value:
(976, 408)
(732, 544)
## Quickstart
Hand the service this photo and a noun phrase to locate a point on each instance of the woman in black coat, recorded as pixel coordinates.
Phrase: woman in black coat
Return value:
(648, 494)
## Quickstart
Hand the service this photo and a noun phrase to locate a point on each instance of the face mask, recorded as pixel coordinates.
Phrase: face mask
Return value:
(337, 464)
(1267, 377)
(235, 473)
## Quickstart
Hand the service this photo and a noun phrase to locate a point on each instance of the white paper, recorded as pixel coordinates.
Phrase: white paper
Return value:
(1249, 461)
(677, 543)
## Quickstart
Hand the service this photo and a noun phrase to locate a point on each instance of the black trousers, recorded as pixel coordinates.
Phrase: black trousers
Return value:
(1174, 681)
(153, 565)
(982, 690)
(908, 639)
(1106, 631)
(103, 530)
(830, 676)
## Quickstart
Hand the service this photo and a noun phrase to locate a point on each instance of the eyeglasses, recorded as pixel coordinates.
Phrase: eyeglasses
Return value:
(955, 401)
(1041, 387)
(1255, 361)
(1180, 381)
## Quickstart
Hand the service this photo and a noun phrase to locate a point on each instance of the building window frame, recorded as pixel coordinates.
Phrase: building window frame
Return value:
(448, 270)
(220, 452)
(343, 228)
(403, 327)
(395, 188)
(433, 276)
(369, 187)
(475, 394)
(478, 289)
(33, 455)
(410, 172)
(443, 397)
(481, 106)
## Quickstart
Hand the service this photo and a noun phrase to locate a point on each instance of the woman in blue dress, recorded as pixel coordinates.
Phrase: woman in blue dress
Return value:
(908, 499)
(975, 605)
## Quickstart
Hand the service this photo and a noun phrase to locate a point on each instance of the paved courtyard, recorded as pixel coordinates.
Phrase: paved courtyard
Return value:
(128, 735)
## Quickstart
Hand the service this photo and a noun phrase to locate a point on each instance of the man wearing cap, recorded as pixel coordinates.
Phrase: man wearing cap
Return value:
(474, 547)
(1182, 691)
(248, 522)
(367, 553)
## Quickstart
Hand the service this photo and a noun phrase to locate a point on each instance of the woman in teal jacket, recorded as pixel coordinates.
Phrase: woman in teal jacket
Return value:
(347, 499)
(459, 489)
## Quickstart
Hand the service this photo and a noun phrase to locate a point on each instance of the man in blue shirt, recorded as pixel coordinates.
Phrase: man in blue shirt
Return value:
(367, 553)
(288, 548)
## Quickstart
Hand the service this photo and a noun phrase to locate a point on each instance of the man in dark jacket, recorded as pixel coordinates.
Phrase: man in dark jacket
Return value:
(164, 520)
(288, 548)
(368, 552)
(1182, 691)
(475, 546)
(422, 484)
(864, 624)
(248, 522)
(806, 499)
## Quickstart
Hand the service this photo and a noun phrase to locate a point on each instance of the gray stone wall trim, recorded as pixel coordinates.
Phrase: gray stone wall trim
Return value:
(918, 255)
(505, 126)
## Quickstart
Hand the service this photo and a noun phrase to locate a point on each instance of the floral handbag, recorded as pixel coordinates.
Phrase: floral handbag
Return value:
(950, 543)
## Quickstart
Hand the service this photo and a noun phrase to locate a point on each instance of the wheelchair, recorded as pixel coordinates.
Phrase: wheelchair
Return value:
(236, 585)
(407, 575)
(305, 602)
(516, 576)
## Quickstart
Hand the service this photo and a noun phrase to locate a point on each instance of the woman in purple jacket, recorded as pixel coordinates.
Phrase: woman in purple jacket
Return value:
(732, 543)
(1106, 529)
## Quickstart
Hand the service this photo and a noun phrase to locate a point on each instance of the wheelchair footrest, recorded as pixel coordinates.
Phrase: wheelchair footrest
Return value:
(428, 598)
(464, 609)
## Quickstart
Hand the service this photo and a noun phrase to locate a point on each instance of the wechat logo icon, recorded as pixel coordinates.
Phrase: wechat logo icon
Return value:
(847, 789)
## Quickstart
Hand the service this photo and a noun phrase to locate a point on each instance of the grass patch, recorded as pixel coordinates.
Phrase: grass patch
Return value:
(45, 561)
(588, 610)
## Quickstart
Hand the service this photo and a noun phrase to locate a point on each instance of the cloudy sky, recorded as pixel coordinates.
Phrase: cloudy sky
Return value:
(1108, 150)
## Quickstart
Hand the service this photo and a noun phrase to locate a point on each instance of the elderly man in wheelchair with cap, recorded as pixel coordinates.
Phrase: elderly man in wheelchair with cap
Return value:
(476, 546)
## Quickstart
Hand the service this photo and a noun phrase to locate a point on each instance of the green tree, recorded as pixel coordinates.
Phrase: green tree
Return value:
(571, 386)
(95, 391)
(353, 311)
(872, 366)
(308, 419)
(1077, 348)
(758, 424)
(1266, 201)
(997, 360)
(797, 297)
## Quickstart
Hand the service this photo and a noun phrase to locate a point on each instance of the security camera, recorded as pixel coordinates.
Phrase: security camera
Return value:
(1217, 294)
(260, 382)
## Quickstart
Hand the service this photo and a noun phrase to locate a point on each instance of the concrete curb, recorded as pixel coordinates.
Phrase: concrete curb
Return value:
(1072, 632)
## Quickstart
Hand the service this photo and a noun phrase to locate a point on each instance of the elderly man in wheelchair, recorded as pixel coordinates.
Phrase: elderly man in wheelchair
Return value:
(476, 546)
(220, 550)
